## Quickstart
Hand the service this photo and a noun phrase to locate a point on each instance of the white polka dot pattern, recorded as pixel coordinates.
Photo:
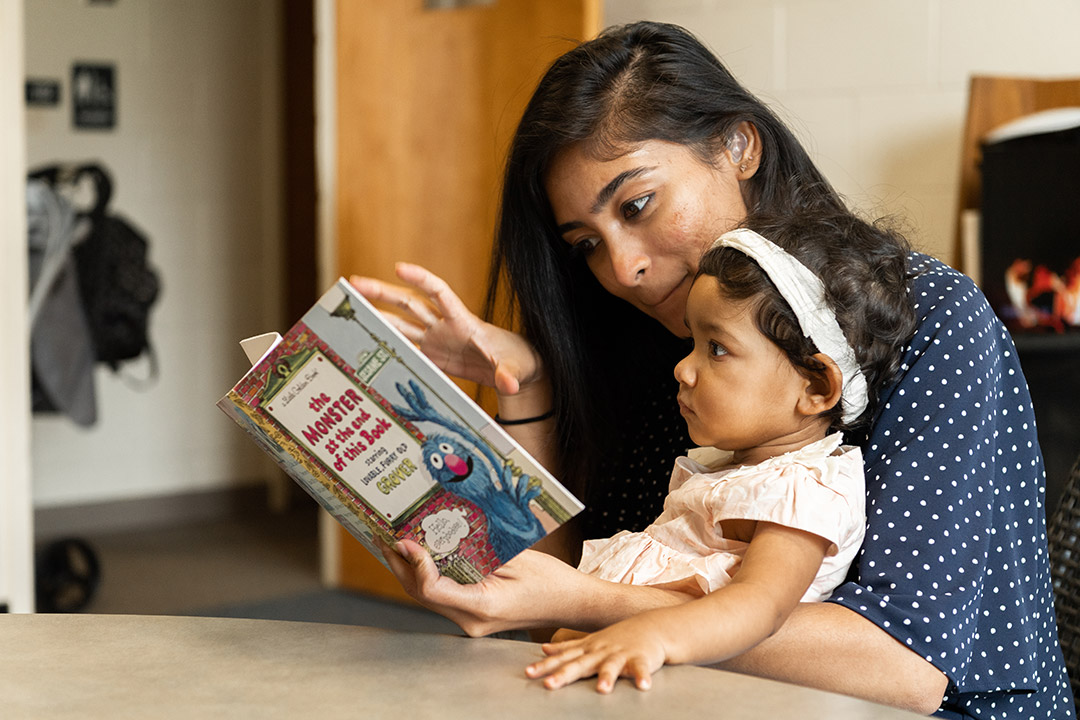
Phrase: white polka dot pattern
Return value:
(955, 563)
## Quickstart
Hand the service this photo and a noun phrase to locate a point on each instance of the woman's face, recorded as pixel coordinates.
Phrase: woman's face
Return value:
(643, 219)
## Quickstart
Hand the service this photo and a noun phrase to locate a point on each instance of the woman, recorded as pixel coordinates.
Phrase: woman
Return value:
(636, 151)
(797, 327)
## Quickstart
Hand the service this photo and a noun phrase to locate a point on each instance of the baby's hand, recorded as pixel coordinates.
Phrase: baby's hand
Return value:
(632, 648)
(564, 634)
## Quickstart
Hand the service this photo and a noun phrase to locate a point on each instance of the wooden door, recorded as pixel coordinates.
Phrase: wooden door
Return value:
(427, 100)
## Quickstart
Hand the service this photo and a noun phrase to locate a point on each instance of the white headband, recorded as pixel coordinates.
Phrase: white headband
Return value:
(805, 294)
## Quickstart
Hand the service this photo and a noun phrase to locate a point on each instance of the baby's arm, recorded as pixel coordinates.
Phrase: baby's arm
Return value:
(778, 567)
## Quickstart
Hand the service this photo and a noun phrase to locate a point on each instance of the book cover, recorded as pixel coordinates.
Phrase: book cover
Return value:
(388, 444)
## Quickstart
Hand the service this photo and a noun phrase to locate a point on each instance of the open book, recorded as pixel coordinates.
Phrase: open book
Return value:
(388, 444)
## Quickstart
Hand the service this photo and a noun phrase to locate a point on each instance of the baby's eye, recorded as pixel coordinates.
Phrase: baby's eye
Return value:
(635, 206)
(716, 349)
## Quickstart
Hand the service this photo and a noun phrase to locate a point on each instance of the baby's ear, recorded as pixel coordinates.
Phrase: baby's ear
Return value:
(823, 388)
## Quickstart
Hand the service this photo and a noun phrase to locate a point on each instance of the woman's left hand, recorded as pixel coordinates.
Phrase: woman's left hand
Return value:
(434, 318)
(633, 648)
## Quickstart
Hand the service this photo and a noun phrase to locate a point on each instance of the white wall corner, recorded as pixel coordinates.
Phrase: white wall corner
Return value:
(16, 514)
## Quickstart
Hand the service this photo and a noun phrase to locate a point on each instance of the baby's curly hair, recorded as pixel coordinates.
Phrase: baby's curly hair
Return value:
(864, 268)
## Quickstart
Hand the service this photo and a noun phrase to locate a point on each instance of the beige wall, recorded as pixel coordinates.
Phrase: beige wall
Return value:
(877, 89)
(195, 161)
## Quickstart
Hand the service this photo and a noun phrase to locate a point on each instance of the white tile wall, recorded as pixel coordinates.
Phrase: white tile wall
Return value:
(195, 162)
(853, 45)
(1008, 38)
(877, 89)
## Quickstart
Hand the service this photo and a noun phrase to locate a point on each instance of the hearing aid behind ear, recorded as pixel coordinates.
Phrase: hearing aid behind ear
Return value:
(736, 145)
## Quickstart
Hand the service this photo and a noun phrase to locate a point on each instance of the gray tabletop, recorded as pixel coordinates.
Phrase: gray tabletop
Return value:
(131, 666)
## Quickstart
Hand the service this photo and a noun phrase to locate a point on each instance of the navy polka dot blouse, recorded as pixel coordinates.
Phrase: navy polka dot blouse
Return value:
(955, 560)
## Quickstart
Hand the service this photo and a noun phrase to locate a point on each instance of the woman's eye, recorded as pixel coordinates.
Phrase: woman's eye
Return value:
(583, 247)
(716, 349)
(634, 207)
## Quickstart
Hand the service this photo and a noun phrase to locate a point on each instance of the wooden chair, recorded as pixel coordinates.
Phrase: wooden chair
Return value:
(994, 101)
(1063, 535)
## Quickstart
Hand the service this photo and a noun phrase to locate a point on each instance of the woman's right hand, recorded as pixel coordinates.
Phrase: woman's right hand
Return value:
(531, 590)
(434, 318)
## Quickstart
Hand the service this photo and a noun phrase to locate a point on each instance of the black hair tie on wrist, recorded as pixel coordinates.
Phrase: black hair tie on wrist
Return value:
(524, 421)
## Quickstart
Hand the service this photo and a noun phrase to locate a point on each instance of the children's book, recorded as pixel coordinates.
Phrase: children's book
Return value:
(388, 444)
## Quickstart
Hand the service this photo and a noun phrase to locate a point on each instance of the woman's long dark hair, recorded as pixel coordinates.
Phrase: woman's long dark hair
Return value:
(646, 81)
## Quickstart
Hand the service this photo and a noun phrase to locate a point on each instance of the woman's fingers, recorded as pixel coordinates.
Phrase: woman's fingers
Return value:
(416, 571)
(419, 309)
(428, 312)
(506, 382)
(437, 289)
(396, 296)
(400, 565)
(412, 566)
(376, 290)
(413, 332)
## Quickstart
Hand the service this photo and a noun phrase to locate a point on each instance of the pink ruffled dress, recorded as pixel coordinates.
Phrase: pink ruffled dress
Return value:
(819, 488)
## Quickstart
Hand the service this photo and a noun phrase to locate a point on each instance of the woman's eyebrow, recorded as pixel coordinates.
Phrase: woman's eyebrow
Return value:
(604, 196)
(608, 190)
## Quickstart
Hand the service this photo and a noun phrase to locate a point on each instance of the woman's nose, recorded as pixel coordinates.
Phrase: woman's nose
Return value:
(629, 263)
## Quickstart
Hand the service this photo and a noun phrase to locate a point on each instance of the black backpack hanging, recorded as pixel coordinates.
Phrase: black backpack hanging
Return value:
(117, 284)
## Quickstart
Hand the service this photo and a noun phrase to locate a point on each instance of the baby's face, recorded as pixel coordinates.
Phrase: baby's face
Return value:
(737, 390)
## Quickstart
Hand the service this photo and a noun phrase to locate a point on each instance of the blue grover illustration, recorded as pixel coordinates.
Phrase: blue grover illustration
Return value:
(512, 527)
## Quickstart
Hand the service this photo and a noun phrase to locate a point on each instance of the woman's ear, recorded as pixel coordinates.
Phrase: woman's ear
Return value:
(823, 388)
(743, 150)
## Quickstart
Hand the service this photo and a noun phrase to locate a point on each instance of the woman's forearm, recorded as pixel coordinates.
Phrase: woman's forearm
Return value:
(606, 603)
(565, 597)
(829, 647)
(533, 590)
(537, 437)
